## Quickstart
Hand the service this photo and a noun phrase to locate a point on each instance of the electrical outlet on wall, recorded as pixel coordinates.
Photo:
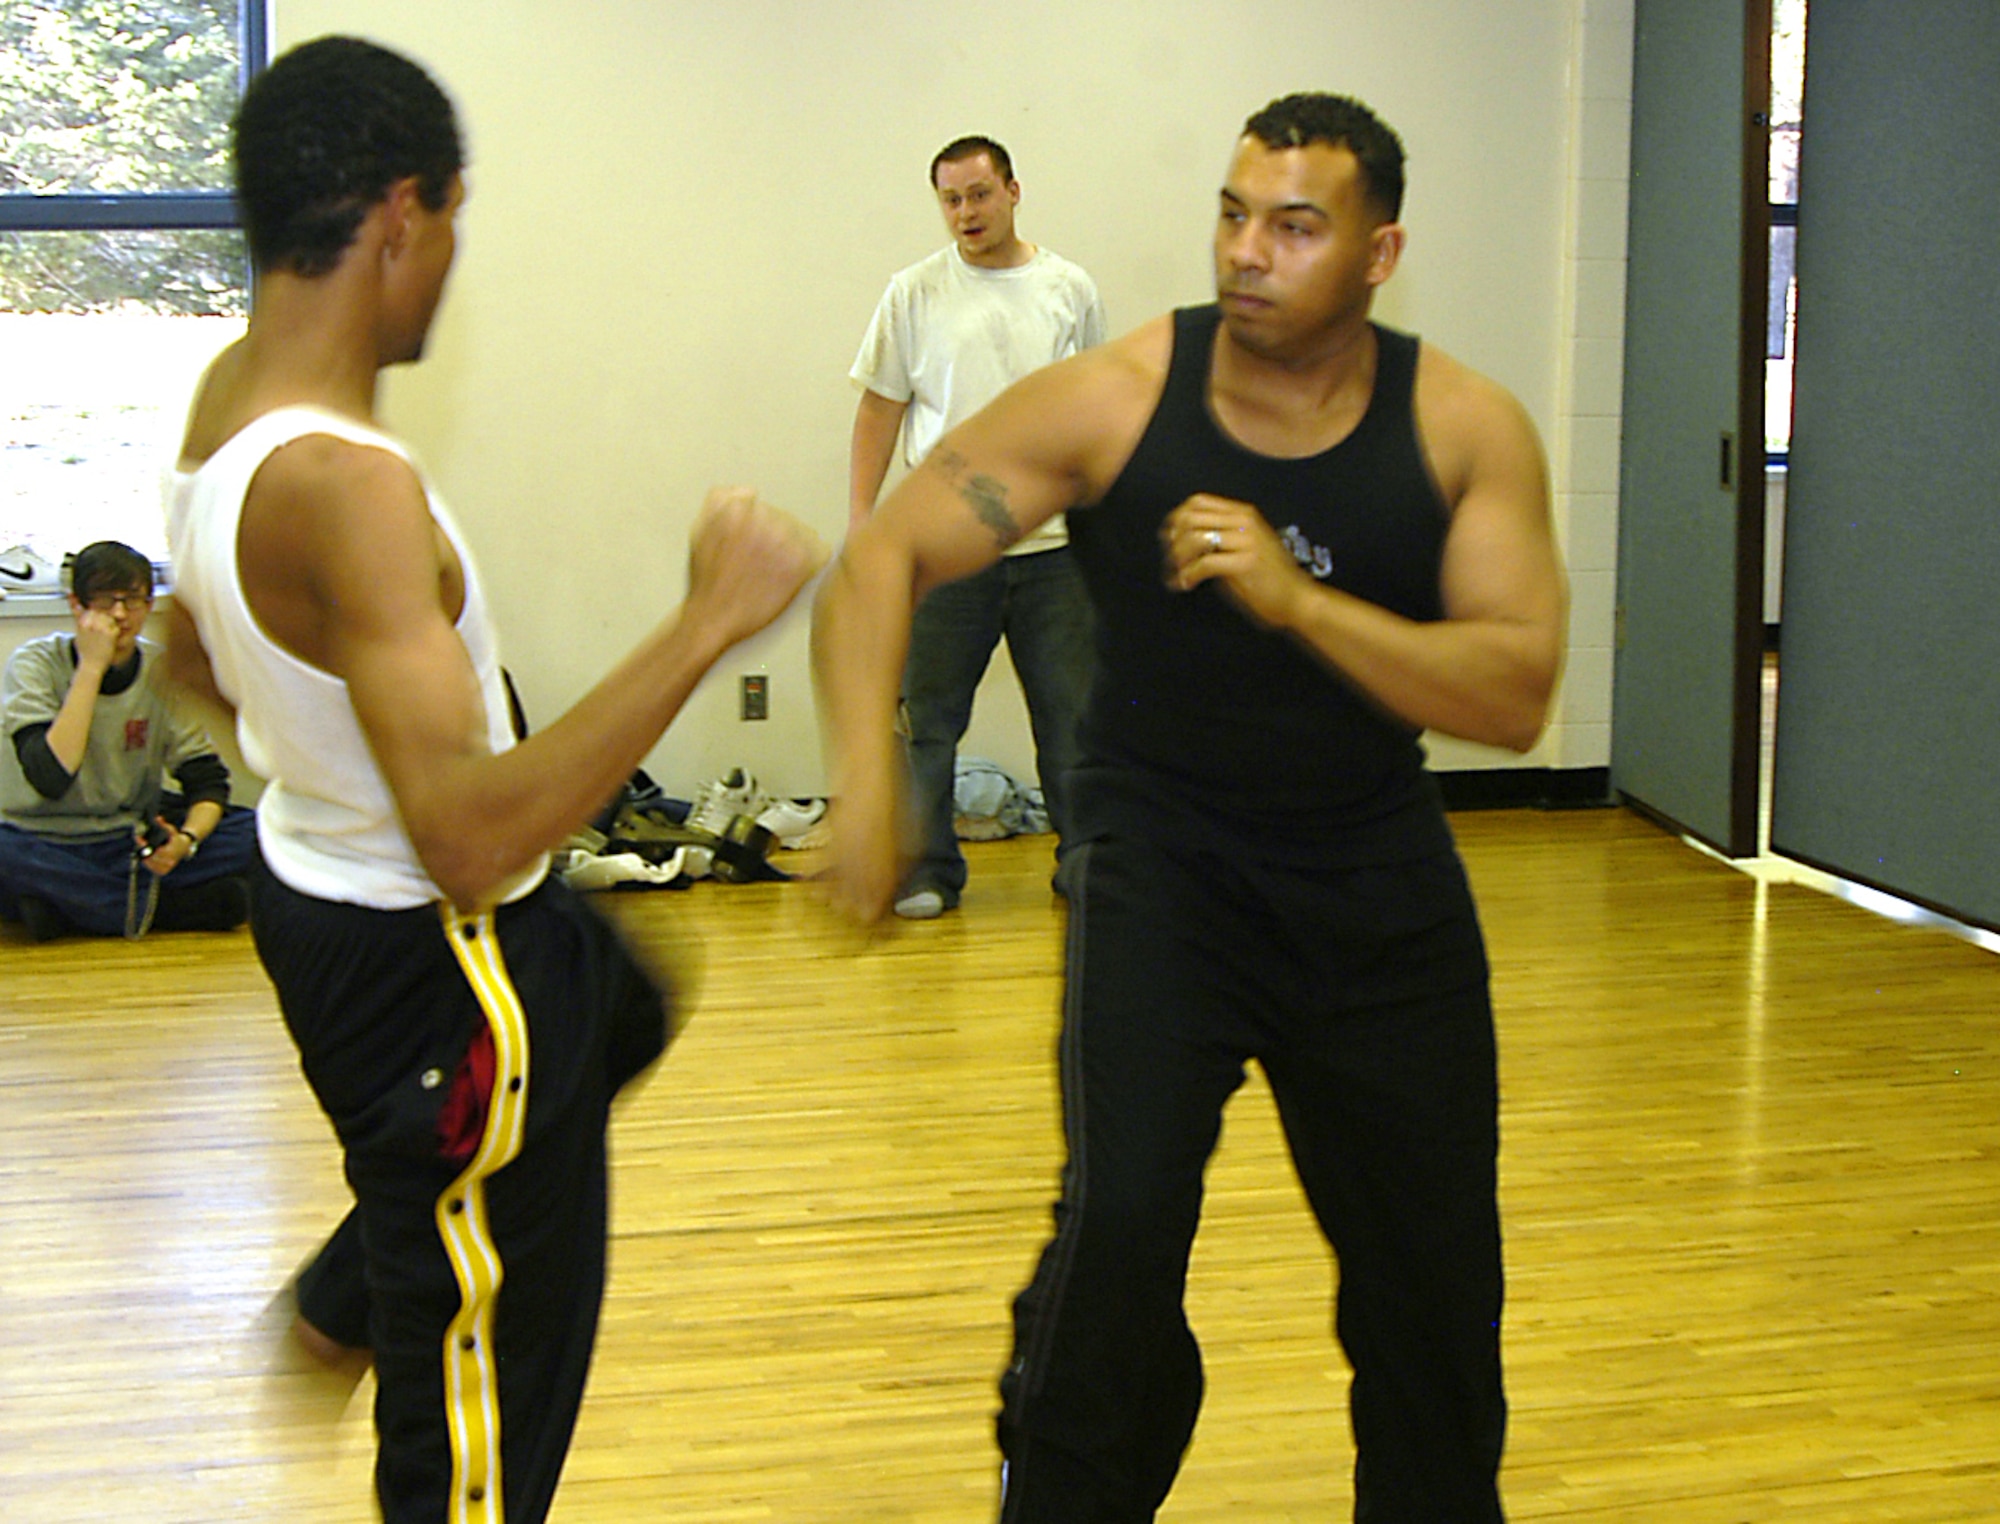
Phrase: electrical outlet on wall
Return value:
(756, 696)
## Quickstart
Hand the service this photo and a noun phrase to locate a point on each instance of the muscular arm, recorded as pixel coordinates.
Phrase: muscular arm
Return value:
(1050, 442)
(376, 619)
(187, 665)
(878, 420)
(1485, 672)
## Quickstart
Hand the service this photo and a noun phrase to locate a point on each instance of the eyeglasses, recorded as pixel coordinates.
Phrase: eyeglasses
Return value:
(111, 603)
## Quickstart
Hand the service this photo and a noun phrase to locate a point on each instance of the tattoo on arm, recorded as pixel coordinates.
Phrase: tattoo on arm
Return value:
(985, 495)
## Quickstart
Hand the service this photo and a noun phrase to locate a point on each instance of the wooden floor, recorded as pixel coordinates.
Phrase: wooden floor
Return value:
(1751, 1178)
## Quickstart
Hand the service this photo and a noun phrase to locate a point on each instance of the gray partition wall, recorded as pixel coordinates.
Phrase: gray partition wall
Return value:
(1690, 621)
(1887, 767)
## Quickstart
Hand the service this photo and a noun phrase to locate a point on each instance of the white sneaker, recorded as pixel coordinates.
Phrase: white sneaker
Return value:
(790, 819)
(586, 873)
(722, 799)
(22, 571)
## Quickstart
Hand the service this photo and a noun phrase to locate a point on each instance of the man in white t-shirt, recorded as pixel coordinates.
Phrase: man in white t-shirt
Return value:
(950, 334)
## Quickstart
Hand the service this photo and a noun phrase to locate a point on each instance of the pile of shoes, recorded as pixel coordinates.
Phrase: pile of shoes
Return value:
(735, 796)
(748, 824)
(727, 832)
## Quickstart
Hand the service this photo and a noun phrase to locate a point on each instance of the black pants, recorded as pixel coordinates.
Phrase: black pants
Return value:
(474, 1274)
(1363, 995)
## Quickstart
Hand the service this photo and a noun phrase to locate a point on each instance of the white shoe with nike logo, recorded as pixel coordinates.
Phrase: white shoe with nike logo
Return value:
(22, 571)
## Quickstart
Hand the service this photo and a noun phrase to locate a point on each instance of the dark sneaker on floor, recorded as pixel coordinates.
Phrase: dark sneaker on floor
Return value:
(221, 904)
(43, 921)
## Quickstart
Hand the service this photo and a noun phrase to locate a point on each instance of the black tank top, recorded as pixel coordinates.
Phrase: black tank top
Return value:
(1202, 721)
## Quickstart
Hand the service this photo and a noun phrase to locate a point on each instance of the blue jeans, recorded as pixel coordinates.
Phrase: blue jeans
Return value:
(89, 882)
(1038, 602)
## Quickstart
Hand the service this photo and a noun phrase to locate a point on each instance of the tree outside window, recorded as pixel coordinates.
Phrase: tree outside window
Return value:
(121, 270)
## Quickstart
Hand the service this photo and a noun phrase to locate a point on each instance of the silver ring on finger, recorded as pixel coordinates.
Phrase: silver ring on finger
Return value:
(1213, 539)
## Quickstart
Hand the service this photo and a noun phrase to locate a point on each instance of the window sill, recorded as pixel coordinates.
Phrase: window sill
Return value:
(34, 606)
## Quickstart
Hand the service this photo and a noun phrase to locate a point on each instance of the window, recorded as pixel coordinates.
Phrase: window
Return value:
(1788, 74)
(121, 269)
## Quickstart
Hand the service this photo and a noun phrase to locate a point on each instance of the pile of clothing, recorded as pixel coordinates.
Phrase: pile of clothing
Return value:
(727, 831)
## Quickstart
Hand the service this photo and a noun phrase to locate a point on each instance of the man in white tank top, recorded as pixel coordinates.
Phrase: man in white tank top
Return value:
(462, 1019)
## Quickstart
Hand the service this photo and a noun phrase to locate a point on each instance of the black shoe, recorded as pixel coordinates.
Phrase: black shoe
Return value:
(221, 904)
(44, 922)
(1065, 875)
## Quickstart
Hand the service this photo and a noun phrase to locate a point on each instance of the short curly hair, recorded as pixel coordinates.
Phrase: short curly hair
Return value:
(1293, 121)
(319, 138)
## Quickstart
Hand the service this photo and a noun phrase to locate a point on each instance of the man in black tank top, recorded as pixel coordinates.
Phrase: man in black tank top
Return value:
(1308, 539)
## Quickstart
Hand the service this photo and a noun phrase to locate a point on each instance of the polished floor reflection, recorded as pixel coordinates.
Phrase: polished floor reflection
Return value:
(1751, 1175)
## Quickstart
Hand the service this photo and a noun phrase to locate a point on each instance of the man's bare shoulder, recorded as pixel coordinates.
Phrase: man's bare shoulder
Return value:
(336, 533)
(1453, 393)
(1468, 421)
(329, 491)
(1086, 413)
(331, 469)
(1111, 374)
(1138, 359)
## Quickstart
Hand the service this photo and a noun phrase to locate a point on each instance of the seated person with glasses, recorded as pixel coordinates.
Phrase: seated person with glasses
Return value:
(90, 838)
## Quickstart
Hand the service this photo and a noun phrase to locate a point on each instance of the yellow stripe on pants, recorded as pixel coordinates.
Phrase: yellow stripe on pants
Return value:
(471, 1377)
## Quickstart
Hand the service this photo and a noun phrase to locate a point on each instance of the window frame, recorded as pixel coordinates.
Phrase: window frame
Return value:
(1784, 214)
(143, 211)
(146, 211)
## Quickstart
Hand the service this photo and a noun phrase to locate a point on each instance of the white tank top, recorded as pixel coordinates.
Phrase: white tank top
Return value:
(327, 822)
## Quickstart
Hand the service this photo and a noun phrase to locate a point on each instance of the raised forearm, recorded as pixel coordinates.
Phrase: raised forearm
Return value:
(1485, 670)
(68, 735)
(861, 627)
(1485, 680)
(477, 818)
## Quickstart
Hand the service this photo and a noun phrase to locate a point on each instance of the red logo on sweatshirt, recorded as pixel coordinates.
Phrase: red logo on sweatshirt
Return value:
(135, 735)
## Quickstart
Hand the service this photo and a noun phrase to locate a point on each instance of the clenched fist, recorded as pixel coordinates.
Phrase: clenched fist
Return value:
(747, 561)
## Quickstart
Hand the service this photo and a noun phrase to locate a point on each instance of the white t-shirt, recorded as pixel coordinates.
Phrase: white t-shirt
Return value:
(948, 337)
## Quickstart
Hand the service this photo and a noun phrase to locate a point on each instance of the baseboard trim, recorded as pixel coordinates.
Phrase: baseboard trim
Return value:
(1542, 788)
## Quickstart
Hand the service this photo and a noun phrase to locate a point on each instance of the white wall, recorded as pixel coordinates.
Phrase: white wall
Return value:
(1589, 322)
(681, 215)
